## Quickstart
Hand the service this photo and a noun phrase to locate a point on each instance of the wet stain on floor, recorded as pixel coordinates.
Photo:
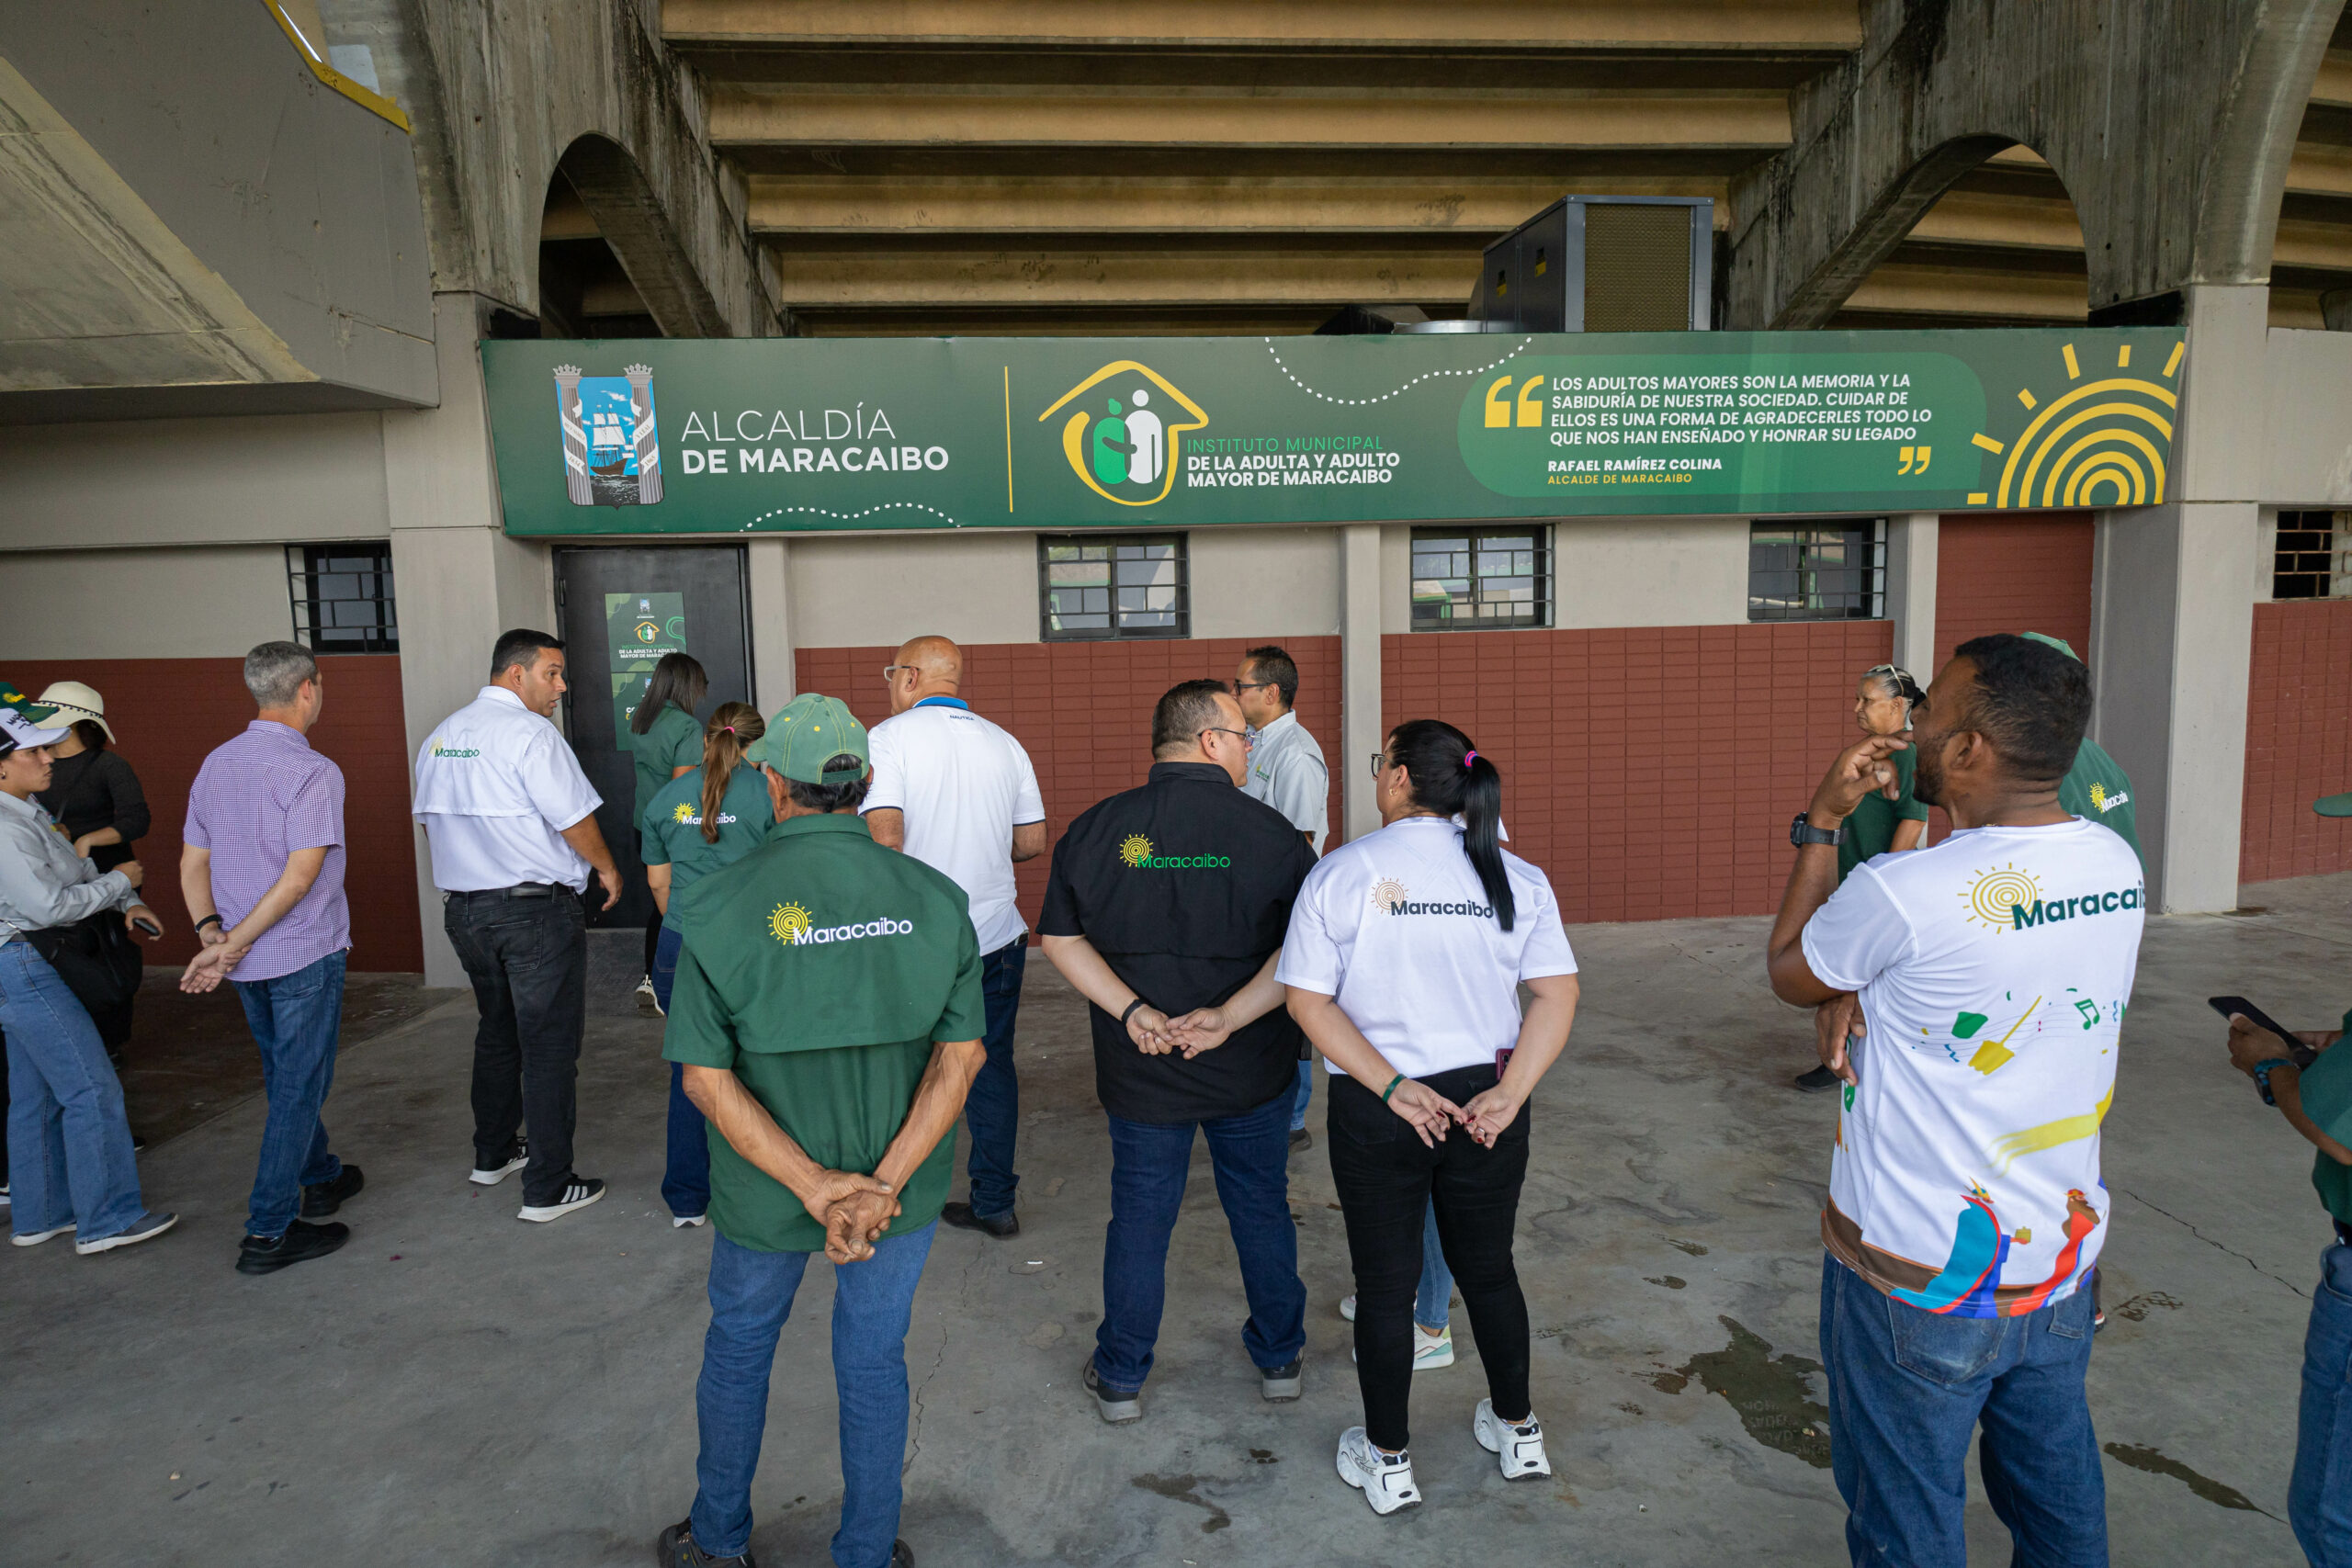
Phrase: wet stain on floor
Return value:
(2137, 1308)
(1692, 1247)
(1185, 1489)
(2141, 1457)
(1264, 1456)
(1769, 1391)
(1669, 1280)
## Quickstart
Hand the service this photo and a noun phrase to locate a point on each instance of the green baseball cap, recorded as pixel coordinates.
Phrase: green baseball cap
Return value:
(2057, 642)
(2334, 805)
(808, 732)
(21, 721)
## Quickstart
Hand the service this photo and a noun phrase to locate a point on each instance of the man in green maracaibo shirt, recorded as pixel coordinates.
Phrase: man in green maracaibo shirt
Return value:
(827, 1013)
(2096, 788)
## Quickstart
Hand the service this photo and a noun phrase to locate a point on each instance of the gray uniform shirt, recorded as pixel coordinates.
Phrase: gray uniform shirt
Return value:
(1286, 771)
(43, 882)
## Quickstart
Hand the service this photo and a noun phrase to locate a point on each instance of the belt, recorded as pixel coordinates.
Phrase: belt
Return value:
(520, 890)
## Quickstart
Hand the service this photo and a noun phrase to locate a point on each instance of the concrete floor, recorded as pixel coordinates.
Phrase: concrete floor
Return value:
(455, 1387)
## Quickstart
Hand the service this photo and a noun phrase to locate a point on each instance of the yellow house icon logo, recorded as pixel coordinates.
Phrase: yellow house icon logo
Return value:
(1123, 442)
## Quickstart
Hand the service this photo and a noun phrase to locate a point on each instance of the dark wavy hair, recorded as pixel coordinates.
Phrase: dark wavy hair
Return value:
(844, 796)
(678, 679)
(1449, 777)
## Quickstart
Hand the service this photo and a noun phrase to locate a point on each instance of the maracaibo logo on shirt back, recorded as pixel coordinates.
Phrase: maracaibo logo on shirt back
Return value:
(1136, 852)
(1392, 895)
(2007, 899)
(794, 926)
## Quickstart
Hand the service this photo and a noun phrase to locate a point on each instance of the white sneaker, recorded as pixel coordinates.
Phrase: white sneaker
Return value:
(680, 1222)
(647, 1001)
(578, 1193)
(1519, 1448)
(4, 1194)
(493, 1175)
(1348, 1308)
(1428, 1355)
(34, 1238)
(146, 1227)
(1387, 1483)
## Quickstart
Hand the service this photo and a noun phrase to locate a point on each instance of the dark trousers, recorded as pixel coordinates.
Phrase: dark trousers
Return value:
(992, 1110)
(1387, 1180)
(685, 1182)
(1149, 1163)
(528, 961)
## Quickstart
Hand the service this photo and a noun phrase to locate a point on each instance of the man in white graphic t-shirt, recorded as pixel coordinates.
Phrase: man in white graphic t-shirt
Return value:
(1965, 1206)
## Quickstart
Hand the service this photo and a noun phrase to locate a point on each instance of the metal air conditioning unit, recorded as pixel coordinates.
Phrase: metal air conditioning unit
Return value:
(1604, 263)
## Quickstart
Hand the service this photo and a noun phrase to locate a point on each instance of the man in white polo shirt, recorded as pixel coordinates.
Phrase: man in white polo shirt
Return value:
(958, 794)
(1965, 1206)
(1286, 771)
(512, 822)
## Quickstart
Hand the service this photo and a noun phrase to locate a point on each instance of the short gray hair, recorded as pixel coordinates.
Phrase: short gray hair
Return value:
(275, 672)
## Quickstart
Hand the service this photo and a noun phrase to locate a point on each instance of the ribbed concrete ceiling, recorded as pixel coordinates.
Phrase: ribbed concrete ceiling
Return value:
(1234, 165)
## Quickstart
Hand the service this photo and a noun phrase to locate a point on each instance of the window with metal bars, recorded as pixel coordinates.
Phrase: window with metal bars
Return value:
(1470, 580)
(2309, 560)
(1096, 587)
(342, 597)
(1834, 569)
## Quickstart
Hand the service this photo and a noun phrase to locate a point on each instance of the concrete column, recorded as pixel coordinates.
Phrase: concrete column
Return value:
(768, 565)
(2171, 607)
(1911, 590)
(1360, 734)
(460, 579)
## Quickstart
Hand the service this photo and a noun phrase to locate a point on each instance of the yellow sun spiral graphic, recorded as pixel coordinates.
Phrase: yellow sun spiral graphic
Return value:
(1388, 891)
(2098, 798)
(682, 813)
(789, 924)
(1996, 891)
(2104, 441)
(1137, 850)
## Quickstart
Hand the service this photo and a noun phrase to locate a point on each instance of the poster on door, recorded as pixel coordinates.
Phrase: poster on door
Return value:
(639, 628)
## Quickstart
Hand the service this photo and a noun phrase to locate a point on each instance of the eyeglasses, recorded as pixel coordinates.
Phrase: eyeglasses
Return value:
(890, 672)
(1241, 734)
(1254, 685)
(1380, 764)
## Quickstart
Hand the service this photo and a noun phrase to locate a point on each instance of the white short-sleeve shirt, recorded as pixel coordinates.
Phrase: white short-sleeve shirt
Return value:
(1288, 772)
(1396, 928)
(1993, 971)
(496, 784)
(963, 785)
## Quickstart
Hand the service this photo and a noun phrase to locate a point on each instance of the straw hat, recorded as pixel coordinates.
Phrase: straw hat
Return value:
(74, 701)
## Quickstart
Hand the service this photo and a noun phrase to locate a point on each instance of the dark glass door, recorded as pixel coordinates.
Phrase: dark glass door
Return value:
(621, 610)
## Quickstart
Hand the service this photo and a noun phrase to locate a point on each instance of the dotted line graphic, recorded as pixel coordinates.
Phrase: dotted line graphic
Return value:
(1363, 402)
(853, 517)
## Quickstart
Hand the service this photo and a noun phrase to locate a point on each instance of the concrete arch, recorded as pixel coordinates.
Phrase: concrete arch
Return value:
(2176, 169)
(631, 218)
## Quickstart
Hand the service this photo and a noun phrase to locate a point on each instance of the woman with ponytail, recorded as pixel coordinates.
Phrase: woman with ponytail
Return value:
(708, 816)
(1403, 960)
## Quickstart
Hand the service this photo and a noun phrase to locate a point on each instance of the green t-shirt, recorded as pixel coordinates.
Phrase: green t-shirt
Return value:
(1870, 829)
(2098, 791)
(2326, 1086)
(674, 741)
(672, 828)
(822, 970)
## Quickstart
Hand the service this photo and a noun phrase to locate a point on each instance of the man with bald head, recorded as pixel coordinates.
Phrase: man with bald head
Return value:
(958, 794)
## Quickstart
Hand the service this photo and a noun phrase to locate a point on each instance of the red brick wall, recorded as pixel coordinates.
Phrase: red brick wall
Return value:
(168, 714)
(2025, 571)
(1651, 772)
(1083, 709)
(2298, 739)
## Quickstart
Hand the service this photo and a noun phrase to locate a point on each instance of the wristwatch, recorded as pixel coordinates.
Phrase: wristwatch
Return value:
(1802, 832)
(2262, 1076)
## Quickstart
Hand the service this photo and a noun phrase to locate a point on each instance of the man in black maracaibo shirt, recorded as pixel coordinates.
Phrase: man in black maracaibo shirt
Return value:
(1166, 910)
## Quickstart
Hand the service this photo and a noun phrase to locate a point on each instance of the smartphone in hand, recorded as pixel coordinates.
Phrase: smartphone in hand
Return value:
(2299, 1053)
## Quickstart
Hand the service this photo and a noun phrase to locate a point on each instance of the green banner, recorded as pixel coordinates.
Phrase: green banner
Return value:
(790, 435)
(639, 628)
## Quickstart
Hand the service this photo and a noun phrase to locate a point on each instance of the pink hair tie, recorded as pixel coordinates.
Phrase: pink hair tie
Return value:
(1468, 758)
(726, 729)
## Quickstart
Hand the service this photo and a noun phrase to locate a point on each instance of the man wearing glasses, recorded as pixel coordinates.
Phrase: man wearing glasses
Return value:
(1286, 771)
(958, 794)
(1166, 910)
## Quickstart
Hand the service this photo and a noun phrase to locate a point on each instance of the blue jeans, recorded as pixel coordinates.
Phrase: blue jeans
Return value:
(992, 1110)
(1907, 1388)
(69, 1142)
(751, 1296)
(2319, 1499)
(295, 1019)
(1305, 1092)
(685, 1183)
(1150, 1162)
(1433, 1303)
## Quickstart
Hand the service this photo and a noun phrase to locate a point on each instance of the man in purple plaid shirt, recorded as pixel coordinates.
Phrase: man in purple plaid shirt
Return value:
(263, 875)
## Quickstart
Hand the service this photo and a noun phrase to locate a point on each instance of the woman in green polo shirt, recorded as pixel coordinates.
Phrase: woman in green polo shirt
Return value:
(1882, 701)
(666, 740)
(711, 816)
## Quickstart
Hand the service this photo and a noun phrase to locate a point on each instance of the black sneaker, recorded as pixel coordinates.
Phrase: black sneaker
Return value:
(325, 1198)
(1301, 1140)
(1280, 1385)
(676, 1549)
(1818, 1081)
(1002, 1226)
(517, 1156)
(579, 1191)
(301, 1242)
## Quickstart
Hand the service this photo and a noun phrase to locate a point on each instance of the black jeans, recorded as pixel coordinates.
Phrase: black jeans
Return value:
(528, 961)
(1387, 1180)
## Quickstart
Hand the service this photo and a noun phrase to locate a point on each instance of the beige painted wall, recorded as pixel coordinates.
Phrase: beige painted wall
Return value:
(1265, 581)
(2307, 383)
(1614, 571)
(187, 603)
(873, 591)
(183, 481)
